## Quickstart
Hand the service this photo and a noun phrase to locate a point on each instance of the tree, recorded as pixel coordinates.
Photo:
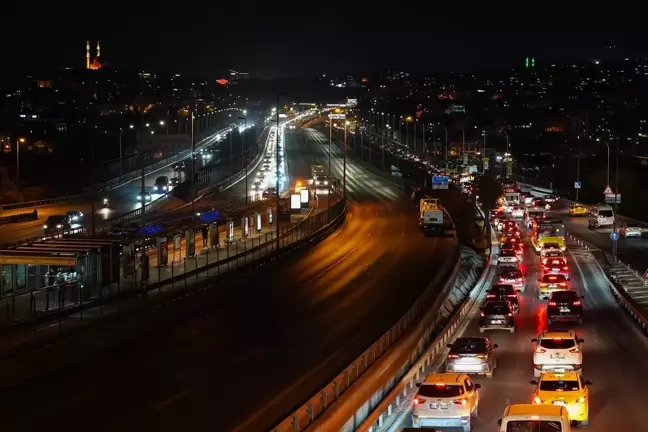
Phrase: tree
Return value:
(489, 191)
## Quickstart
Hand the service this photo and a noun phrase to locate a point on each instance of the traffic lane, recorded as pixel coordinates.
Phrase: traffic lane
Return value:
(299, 158)
(633, 251)
(613, 346)
(302, 319)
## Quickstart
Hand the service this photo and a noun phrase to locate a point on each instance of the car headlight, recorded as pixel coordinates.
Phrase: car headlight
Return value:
(45, 226)
(59, 226)
(164, 188)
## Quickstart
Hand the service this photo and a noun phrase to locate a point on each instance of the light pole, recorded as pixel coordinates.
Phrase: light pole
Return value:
(277, 171)
(193, 168)
(616, 201)
(18, 142)
(463, 146)
(328, 195)
(608, 163)
(484, 154)
(121, 131)
(346, 123)
(244, 159)
(578, 172)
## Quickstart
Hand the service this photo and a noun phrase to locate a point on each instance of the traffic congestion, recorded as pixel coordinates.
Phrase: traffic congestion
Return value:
(533, 265)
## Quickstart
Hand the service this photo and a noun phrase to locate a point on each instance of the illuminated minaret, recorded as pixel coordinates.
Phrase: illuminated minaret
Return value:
(98, 51)
(87, 54)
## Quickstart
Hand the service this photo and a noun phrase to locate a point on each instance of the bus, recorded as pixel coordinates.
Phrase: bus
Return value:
(547, 231)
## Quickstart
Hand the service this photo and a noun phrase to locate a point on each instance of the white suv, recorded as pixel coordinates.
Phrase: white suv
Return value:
(446, 400)
(557, 352)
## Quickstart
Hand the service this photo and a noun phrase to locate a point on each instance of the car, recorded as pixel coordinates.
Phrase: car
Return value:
(497, 315)
(631, 229)
(446, 400)
(554, 266)
(495, 214)
(550, 198)
(568, 389)
(144, 197)
(502, 292)
(541, 203)
(515, 244)
(57, 224)
(179, 166)
(565, 306)
(577, 210)
(507, 258)
(549, 255)
(517, 212)
(557, 351)
(546, 247)
(174, 181)
(508, 235)
(472, 355)
(526, 198)
(270, 193)
(513, 277)
(76, 216)
(320, 181)
(161, 184)
(504, 222)
(549, 283)
(257, 185)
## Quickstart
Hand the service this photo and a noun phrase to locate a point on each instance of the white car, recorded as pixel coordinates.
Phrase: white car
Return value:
(630, 230)
(507, 258)
(549, 247)
(446, 400)
(557, 352)
(550, 198)
(517, 212)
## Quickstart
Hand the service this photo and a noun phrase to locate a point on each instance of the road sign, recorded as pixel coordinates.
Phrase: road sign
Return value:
(610, 198)
(614, 236)
(439, 182)
(337, 116)
(608, 190)
(577, 185)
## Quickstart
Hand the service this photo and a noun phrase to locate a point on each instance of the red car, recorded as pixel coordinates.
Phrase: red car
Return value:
(555, 266)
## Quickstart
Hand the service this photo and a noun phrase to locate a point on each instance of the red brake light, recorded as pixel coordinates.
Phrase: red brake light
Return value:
(460, 401)
(574, 350)
(440, 385)
(512, 295)
(418, 401)
(552, 303)
(453, 356)
(481, 314)
(510, 314)
(490, 295)
(540, 350)
(552, 277)
(555, 262)
(557, 339)
(563, 284)
(566, 268)
(543, 284)
(577, 303)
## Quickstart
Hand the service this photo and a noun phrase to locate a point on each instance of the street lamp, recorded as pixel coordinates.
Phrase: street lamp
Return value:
(244, 159)
(18, 142)
(608, 162)
(121, 131)
(346, 124)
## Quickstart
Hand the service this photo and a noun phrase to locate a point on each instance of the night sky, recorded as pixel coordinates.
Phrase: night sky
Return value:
(207, 41)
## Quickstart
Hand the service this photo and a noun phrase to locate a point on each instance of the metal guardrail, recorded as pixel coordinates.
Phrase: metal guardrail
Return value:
(111, 184)
(623, 298)
(333, 393)
(568, 203)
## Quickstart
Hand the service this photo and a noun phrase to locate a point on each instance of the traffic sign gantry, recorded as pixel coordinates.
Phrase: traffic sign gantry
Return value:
(440, 182)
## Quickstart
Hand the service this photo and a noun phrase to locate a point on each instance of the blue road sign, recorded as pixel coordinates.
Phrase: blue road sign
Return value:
(577, 185)
(614, 236)
(439, 182)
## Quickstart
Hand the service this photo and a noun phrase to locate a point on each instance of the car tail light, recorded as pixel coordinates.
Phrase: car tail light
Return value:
(566, 268)
(482, 356)
(515, 259)
(552, 303)
(563, 284)
(510, 314)
(460, 401)
(581, 400)
(418, 401)
(512, 295)
(577, 303)
(481, 314)
(537, 400)
(574, 350)
(540, 350)
(453, 356)
(543, 284)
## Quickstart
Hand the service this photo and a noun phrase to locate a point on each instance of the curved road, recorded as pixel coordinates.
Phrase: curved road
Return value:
(271, 338)
(614, 353)
(122, 199)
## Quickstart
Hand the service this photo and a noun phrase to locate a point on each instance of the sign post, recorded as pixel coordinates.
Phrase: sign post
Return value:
(614, 236)
(440, 182)
(610, 196)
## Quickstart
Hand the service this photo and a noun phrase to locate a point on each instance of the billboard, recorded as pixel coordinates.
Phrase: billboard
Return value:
(295, 201)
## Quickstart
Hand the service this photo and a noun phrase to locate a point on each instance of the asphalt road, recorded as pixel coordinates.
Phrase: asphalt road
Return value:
(122, 200)
(614, 353)
(273, 337)
(633, 251)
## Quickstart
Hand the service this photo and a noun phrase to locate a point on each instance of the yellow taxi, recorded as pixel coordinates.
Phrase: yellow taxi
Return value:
(567, 389)
(577, 210)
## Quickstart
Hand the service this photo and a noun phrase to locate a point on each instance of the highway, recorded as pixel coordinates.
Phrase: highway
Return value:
(122, 200)
(271, 337)
(614, 354)
(633, 251)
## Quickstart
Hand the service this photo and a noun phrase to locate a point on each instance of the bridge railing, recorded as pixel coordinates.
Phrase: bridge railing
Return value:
(111, 184)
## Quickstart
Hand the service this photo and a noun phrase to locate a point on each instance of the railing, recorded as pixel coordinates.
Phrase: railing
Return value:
(609, 268)
(111, 184)
(59, 308)
(546, 191)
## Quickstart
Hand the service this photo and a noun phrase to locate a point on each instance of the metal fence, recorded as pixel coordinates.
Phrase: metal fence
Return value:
(59, 307)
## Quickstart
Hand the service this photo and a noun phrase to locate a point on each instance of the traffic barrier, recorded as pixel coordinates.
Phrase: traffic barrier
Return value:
(21, 217)
(370, 398)
(623, 298)
(111, 184)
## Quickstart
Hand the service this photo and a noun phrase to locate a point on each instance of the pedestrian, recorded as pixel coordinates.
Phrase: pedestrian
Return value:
(205, 233)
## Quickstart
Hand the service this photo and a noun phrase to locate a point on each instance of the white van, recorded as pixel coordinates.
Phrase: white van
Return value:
(600, 216)
(534, 417)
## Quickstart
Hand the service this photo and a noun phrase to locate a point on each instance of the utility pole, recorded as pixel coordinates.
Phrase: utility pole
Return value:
(192, 193)
(328, 196)
(616, 202)
(244, 159)
(277, 172)
(93, 211)
(346, 122)
(577, 171)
